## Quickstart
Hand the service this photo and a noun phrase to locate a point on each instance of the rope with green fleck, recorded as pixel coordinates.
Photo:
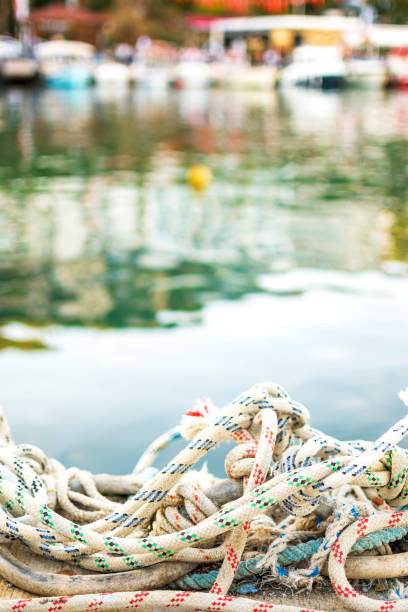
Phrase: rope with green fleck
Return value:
(283, 462)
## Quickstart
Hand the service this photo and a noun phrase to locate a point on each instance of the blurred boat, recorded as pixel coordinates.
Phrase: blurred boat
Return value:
(153, 69)
(14, 66)
(366, 72)
(19, 70)
(192, 70)
(65, 63)
(397, 65)
(112, 74)
(10, 48)
(246, 77)
(191, 74)
(315, 66)
(151, 76)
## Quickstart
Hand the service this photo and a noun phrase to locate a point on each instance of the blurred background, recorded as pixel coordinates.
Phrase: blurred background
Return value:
(194, 197)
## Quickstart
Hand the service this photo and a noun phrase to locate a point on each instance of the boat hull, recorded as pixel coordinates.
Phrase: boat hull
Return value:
(70, 77)
(21, 70)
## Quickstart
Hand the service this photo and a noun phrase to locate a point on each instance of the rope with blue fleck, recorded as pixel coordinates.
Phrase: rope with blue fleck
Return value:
(287, 469)
(291, 555)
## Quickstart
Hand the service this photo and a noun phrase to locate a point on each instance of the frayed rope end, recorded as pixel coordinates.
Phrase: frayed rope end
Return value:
(403, 395)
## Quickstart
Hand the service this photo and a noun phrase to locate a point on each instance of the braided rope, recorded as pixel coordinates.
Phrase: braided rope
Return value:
(291, 555)
(285, 465)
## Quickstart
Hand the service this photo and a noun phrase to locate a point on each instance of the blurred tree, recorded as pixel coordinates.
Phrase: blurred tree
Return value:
(6, 17)
(126, 22)
(131, 18)
(392, 11)
(98, 5)
(38, 3)
(165, 18)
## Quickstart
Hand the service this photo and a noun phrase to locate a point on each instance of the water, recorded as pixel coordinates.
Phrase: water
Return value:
(124, 295)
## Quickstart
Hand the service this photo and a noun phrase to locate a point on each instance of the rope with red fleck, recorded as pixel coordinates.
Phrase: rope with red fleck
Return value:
(286, 467)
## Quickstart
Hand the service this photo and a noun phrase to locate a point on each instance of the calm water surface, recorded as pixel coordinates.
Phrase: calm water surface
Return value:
(125, 296)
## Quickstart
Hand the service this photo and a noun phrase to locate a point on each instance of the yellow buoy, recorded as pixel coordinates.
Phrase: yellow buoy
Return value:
(199, 177)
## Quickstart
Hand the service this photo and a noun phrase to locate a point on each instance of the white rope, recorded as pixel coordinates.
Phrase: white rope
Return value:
(289, 470)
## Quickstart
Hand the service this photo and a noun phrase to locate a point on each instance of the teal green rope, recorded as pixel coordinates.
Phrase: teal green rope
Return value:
(292, 554)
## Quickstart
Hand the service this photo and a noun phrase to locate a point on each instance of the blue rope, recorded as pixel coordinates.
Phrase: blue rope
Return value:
(292, 554)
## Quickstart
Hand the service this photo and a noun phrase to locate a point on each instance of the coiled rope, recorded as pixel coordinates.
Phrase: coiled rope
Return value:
(291, 555)
(287, 481)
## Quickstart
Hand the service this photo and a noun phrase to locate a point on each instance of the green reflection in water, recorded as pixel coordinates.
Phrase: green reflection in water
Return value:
(32, 344)
(99, 228)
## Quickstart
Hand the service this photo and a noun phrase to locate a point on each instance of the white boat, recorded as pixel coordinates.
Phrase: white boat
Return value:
(14, 66)
(192, 74)
(397, 68)
(366, 72)
(151, 76)
(314, 66)
(192, 70)
(245, 77)
(19, 70)
(112, 74)
(10, 48)
(66, 63)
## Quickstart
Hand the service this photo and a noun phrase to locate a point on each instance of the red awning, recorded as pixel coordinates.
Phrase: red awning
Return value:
(59, 12)
(201, 22)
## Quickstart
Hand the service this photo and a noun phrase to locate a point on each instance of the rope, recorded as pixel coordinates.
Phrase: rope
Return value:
(297, 484)
(291, 555)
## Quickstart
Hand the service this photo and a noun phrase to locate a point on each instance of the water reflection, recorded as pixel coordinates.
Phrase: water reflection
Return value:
(99, 227)
(292, 266)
